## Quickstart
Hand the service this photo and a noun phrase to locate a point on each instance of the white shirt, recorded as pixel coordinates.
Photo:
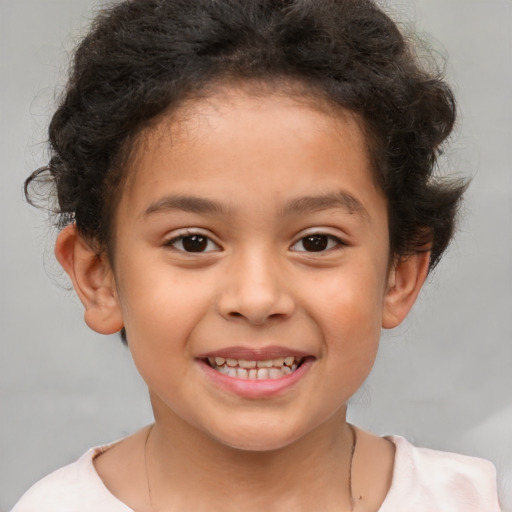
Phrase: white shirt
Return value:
(423, 481)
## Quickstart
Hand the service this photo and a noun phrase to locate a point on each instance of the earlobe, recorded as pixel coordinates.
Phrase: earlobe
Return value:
(404, 284)
(92, 279)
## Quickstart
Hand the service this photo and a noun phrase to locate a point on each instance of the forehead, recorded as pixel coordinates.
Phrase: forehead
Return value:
(243, 142)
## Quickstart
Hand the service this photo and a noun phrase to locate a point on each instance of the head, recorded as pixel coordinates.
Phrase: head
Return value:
(143, 59)
(163, 86)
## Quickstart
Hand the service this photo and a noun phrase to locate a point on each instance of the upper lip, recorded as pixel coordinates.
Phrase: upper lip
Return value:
(254, 354)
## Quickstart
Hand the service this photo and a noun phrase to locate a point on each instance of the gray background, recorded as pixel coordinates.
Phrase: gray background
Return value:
(443, 379)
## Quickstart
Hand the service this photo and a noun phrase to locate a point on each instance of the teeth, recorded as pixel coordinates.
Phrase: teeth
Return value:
(262, 373)
(255, 370)
(265, 364)
(242, 373)
(223, 369)
(246, 364)
(274, 373)
(278, 362)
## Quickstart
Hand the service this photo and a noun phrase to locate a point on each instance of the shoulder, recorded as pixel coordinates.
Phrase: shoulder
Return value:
(427, 480)
(73, 488)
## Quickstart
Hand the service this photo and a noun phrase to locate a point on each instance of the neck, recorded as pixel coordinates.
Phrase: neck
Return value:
(312, 473)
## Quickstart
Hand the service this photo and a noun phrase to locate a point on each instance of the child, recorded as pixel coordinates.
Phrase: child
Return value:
(245, 193)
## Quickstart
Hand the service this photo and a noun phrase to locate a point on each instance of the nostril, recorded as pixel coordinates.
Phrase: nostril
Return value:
(255, 304)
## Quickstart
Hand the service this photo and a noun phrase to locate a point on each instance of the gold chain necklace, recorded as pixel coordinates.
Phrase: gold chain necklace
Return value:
(352, 450)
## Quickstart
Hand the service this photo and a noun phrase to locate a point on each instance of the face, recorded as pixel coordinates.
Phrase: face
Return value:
(251, 263)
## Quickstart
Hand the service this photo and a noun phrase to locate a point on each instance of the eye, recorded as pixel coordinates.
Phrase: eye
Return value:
(197, 243)
(316, 243)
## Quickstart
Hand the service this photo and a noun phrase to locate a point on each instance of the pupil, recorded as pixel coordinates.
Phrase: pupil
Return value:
(315, 243)
(195, 243)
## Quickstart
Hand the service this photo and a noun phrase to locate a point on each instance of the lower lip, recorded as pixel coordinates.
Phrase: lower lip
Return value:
(264, 388)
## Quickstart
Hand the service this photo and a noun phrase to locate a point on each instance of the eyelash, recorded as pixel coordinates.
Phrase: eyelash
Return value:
(331, 243)
(190, 236)
(338, 243)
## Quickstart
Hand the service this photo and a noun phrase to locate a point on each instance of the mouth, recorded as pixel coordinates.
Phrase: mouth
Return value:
(256, 373)
(275, 368)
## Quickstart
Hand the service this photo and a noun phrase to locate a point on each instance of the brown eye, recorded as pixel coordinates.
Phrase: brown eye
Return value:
(316, 243)
(193, 243)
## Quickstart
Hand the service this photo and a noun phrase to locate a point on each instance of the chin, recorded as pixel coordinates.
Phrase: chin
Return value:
(258, 444)
(258, 438)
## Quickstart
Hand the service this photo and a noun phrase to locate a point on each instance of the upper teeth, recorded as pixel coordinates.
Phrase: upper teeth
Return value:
(247, 369)
(278, 362)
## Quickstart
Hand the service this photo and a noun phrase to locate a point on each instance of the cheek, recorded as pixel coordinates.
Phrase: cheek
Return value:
(160, 313)
(156, 296)
(352, 328)
(350, 311)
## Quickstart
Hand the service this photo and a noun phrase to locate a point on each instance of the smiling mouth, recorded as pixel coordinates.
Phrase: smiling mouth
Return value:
(255, 370)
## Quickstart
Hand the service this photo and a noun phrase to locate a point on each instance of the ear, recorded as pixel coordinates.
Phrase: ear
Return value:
(92, 279)
(404, 284)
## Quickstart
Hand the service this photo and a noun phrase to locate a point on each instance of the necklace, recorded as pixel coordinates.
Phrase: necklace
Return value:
(352, 450)
(146, 467)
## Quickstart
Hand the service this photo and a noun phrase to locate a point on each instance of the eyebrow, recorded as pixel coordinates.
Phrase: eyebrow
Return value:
(193, 204)
(340, 199)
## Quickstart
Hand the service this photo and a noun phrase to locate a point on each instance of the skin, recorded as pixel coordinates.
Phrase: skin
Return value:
(255, 285)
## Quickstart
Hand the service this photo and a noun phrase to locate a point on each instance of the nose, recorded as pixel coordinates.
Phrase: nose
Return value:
(254, 289)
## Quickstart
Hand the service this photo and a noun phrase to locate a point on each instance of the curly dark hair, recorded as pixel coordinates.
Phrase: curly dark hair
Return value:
(143, 58)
